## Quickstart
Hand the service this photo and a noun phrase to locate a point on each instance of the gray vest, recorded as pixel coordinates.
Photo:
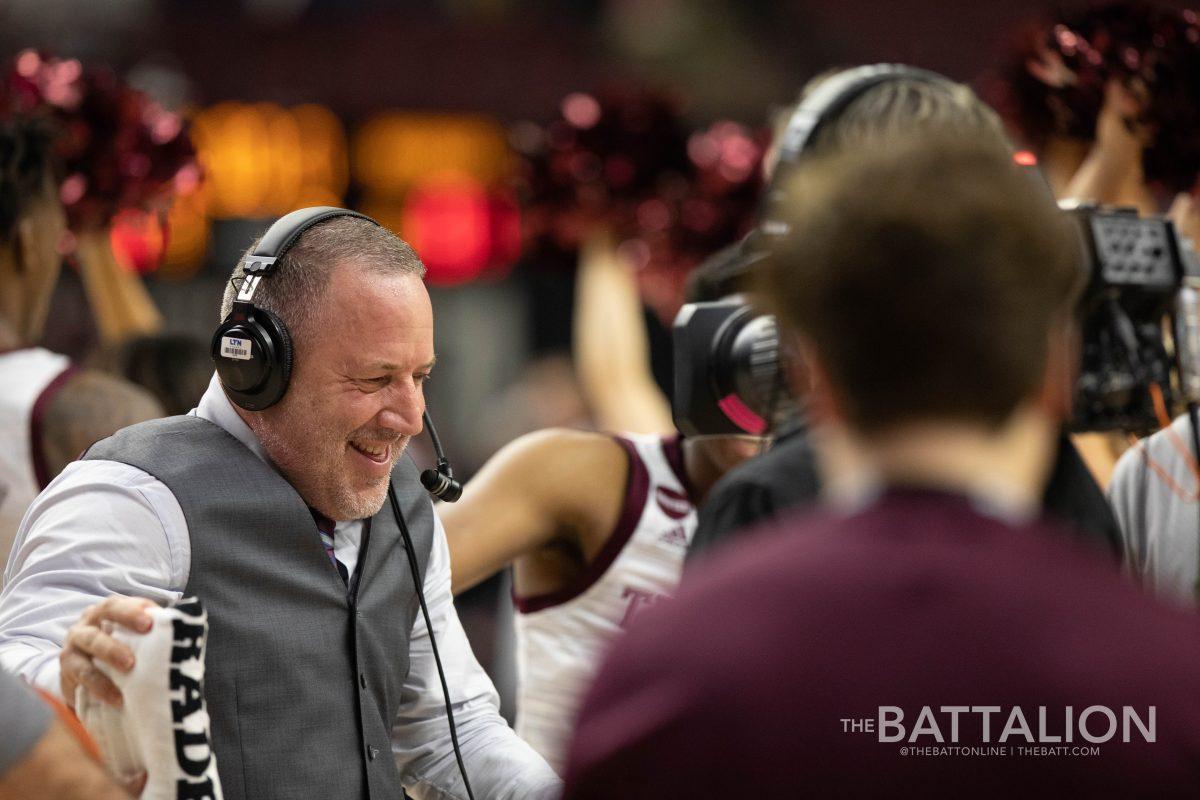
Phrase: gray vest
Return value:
(302, 680)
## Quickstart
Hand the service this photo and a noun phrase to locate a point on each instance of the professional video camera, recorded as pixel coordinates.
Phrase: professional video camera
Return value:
(1140, 316)
(1141, 329)
(727, 365)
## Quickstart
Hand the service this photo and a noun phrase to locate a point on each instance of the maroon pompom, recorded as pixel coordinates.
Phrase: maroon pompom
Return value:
(623, 162)
(117, 147)
(1053, 81)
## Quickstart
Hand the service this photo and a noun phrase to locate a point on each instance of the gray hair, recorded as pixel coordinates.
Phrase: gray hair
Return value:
(302, 275)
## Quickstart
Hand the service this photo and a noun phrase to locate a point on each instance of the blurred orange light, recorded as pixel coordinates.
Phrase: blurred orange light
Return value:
(394, 150)
(1025, 158)
(264, 160)
(188, 228)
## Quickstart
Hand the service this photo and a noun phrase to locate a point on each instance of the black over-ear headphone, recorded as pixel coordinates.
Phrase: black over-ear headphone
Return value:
(253, 349)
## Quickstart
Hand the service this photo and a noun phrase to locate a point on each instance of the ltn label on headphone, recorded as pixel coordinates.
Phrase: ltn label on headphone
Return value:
(235, 348)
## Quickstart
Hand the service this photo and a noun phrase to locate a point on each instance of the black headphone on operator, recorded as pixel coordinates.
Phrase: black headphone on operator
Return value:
(253, 353)
(253, 349)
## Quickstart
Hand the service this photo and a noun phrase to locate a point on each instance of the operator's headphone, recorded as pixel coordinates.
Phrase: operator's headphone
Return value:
(253, 349)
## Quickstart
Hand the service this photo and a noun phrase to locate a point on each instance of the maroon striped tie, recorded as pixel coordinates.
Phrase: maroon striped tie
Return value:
(325, 526)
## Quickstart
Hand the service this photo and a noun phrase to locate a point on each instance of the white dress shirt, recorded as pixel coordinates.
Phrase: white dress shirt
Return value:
(103, 528)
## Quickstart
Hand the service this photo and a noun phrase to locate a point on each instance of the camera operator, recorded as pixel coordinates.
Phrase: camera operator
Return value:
(931, 288)
(901, 100)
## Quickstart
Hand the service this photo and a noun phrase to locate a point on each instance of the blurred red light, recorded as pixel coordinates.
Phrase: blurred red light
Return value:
(459, 231)
(138, 240)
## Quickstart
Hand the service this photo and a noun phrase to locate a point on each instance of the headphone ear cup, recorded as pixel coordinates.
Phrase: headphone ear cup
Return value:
(253, 354)
(284, 353)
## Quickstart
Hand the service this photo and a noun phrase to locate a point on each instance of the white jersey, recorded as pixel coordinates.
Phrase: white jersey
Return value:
(562, 636)
(28, 381)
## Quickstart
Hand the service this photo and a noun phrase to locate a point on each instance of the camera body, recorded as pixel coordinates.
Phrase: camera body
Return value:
(1139, 316)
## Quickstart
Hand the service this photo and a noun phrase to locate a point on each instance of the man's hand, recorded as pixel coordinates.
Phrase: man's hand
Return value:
(88, 640)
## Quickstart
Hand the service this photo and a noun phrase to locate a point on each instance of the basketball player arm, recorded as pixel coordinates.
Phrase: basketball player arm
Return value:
(118, 298)
(1113, 166)
(91, 406)
(546, 485)
(611, 347)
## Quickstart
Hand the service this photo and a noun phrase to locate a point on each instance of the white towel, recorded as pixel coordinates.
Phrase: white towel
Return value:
(163, 727)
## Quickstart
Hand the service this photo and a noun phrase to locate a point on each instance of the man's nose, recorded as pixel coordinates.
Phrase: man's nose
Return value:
(403, 410)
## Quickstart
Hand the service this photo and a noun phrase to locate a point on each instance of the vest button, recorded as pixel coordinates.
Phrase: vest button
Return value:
(362, 679)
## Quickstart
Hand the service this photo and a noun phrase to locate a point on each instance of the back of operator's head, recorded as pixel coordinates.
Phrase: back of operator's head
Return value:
(927, 273)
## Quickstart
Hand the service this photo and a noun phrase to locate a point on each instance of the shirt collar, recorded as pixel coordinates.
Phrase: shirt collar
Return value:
(216, 407)
(994, 499)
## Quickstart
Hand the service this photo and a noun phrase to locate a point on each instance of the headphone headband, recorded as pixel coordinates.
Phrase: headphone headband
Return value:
(833, 95)
(284, 232)
(825, 103)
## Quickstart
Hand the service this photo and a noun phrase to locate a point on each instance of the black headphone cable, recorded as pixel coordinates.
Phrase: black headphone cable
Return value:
(437, 659)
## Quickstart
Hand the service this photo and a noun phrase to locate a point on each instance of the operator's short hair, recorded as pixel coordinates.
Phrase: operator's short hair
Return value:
(927, 271)
(301, 278)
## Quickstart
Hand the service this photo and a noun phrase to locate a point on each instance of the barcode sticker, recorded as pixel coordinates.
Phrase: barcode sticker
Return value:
(235, 348)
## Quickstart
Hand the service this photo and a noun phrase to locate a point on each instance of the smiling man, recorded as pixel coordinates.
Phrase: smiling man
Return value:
(317, 659)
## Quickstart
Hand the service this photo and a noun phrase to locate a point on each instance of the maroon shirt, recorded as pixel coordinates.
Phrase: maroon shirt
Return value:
(739, 687)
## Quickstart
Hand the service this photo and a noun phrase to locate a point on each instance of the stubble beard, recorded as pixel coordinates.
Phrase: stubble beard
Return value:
(318, 472)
